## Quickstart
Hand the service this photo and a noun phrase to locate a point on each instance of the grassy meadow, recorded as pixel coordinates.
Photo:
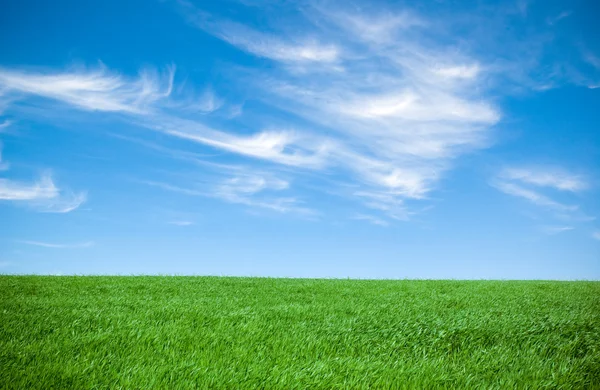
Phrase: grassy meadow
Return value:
(142, 332)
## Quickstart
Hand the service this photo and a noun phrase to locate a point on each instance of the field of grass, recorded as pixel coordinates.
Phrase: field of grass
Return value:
(210, 332)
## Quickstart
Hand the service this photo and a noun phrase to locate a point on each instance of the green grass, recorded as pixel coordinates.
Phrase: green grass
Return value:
(209, 332)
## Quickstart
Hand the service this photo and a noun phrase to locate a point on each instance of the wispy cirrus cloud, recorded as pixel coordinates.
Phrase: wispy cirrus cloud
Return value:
(15, 190)
(5, 124)
(92, 89)
(546, 177)
(555, 19)
(553, 230)
(290, 50)
(528, 182)
(207, 102)
(371, 219)
(394, 120)
(531, 195)
(181, 223)
(254, 189)
(42, 195)
(547, 187)
(244, 189)
(285, 147)
(591, 59)
(386, 99)
(86, 244)
(394, 92)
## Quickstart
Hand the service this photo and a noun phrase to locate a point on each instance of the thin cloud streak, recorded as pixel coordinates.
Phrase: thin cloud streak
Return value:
(4, 125)
(553, 230)
(541, 186)
(44, 188)
(181, 223)
(546, 177)
(42, 195)
(531, 195)
(249, 189)
(86, 244)
(371, 219)
(94, 90)
(301, 50)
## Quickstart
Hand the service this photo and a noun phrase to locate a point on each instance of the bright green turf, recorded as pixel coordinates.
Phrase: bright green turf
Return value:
(209, 332)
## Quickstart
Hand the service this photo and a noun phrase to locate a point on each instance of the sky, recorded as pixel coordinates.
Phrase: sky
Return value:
(376, 139)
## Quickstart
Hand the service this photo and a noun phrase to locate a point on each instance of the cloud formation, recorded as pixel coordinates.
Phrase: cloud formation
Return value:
(528, 182)
(42, 195)
(552, 230)
(86, 244)
(92, 89)
(371, 219)
(546, 177)
(4, 124)
(552, 189)
(181, 223)
(254, 189)
(385, 100)
(289, 51)
(405, 99)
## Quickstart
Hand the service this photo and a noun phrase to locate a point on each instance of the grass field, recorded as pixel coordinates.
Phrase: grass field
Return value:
(210, 332)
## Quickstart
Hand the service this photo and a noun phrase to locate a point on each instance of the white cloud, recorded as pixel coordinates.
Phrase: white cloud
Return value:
(301, 50)
(4, 125)
(591, 59)
(596, 235)
(552, 230)
(377, 29)
(174, 188)
(388, 203)
(263, 45)
(16, 190)
(280, 146)
(86, 244)
(260, 190)
(102, 91)
(181, 223)
(394, 117)
(42, 195)
(208, 102)
(409, 105)
(531, 195)
(371, 219)
(546, 177)
(553, 20)
(410, 115)
(254, 189)
(459, 71)
(66, 202)
(188, 101)
(542, 186)
(95, 90)
(390, 100)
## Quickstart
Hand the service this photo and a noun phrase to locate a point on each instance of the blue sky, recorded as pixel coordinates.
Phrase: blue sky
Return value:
(437, 139)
